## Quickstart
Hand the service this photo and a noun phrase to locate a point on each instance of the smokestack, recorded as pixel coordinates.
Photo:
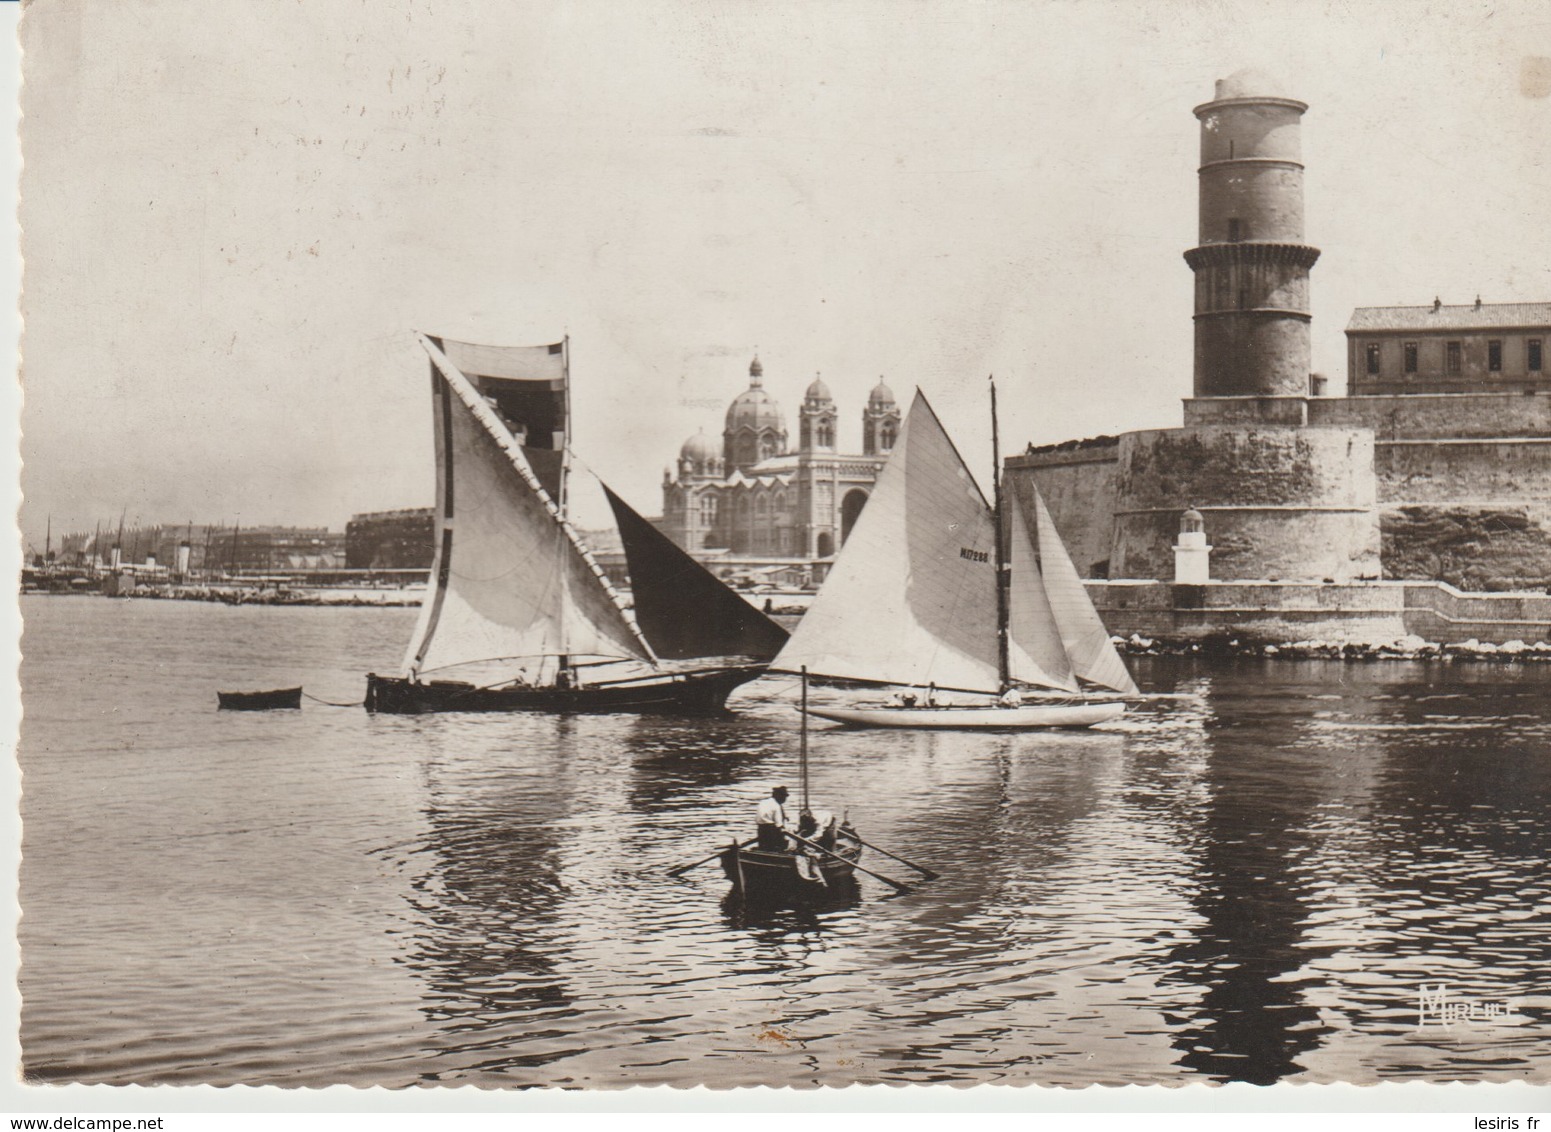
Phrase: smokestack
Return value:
(185, 552)
(115, 556)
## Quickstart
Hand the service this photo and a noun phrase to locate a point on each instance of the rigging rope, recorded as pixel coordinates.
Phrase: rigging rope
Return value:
(331, 703)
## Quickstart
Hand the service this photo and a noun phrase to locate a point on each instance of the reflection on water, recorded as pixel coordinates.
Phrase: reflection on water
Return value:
(1251, 881)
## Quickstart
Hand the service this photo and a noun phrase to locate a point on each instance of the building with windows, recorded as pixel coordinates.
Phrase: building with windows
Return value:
(392, 540)
(1480, 348)
(755, 496)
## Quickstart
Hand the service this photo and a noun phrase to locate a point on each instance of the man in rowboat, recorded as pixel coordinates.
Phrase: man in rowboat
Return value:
(770, 821)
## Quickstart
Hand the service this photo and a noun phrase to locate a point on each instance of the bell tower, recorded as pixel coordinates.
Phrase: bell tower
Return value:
(1251, 263)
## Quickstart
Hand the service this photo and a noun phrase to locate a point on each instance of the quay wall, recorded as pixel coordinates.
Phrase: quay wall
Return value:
(1373, 613)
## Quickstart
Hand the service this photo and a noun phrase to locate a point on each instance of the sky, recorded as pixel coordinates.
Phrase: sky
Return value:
(235, 215)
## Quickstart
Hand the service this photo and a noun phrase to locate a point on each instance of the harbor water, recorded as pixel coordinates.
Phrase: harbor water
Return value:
(1284, 871)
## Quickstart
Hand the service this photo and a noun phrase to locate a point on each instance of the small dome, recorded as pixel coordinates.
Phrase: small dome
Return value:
(700, 448)
(756, 370)
(1248, 83)
(881, 394)
(1191, 520)
(818, 391)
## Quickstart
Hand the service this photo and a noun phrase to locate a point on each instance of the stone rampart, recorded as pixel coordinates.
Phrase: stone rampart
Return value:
(1438, 416)
(1078, 486)
(1278, 502)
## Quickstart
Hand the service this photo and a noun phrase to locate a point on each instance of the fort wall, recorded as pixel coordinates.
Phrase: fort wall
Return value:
(1278, 502)
(1364, 613)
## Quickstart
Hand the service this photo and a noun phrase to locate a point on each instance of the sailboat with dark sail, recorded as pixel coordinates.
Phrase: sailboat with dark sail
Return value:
(939, 591)
(519, 616)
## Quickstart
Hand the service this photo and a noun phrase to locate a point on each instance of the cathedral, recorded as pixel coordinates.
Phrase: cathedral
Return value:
(754, 495)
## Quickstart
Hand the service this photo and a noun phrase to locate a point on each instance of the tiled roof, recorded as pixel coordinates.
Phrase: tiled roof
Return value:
(1487, 316)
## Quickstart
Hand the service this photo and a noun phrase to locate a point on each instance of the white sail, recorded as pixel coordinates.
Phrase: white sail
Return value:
(1086, 641)
(510, 577)
(911, 599)
(1035, 654)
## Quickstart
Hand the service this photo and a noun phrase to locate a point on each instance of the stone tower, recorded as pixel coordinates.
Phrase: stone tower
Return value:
(1251, 265)
(880, 421)
(816, 419)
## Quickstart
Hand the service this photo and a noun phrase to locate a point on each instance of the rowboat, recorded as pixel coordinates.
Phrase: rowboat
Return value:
(794, 876)
(278, 698)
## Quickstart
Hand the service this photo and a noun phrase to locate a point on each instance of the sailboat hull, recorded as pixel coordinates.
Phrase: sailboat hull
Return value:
(1025, 718)
(703, 692)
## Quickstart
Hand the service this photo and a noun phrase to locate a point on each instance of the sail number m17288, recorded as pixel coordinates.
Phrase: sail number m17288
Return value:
(974, 555)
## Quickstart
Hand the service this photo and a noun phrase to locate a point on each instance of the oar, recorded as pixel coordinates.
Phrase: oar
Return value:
(695, 864)
(894, 884)
(927, 873)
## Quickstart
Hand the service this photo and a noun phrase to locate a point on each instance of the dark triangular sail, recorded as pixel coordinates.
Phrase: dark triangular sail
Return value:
(682, 609)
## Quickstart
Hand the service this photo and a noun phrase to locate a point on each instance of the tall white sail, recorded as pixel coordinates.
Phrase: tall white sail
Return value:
(1035, 654)
(510, 578)
(1083, 634)
(911, 599)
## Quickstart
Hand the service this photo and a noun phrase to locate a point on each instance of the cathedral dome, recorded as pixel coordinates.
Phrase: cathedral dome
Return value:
(880, 396)
(754, 408)
(818, 391)
(700, 448)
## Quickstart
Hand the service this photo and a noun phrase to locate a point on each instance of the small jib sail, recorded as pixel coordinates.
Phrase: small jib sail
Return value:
(510, 578)
(683, 609)
(912, 597)
(1083, 635)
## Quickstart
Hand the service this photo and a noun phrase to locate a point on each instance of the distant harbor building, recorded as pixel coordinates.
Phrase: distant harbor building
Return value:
(205, 548)
(391, 540)
(1479, 348)
(755, 495)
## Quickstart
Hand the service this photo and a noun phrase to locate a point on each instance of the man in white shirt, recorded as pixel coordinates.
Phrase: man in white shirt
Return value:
(771, 819)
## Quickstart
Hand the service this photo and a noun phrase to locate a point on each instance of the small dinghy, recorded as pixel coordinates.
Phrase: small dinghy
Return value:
(797, 875)
(814, 864)
(274, 700)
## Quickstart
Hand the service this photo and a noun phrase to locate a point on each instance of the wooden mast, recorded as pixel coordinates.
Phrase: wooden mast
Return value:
(802, 747)
(1003, 566)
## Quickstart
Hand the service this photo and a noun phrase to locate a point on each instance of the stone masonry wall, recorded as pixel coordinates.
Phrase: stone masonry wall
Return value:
(1077, 482)
(1278, 502)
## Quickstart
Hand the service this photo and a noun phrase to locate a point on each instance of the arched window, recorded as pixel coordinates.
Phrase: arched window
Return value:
(890, 434)
(826, 544)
